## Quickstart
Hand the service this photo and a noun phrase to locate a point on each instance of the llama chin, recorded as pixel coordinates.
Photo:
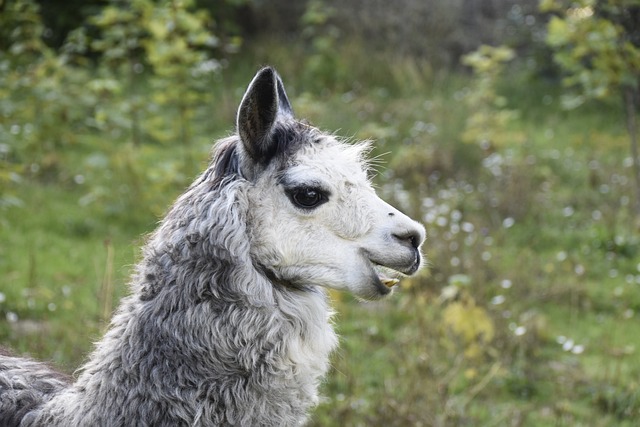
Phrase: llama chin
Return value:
(228, 321)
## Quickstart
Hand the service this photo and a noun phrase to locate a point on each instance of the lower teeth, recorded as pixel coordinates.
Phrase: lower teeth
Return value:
(390, 282)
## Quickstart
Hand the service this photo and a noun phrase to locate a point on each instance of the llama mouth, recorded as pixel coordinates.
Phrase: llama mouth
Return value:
(387, 276)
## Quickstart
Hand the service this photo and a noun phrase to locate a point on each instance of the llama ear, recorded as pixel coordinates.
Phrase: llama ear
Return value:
(264, 102)
(284, 106)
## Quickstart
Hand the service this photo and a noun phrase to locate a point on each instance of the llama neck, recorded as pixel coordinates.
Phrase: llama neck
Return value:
(201, 342)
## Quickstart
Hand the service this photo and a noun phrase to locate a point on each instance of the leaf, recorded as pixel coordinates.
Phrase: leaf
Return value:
(557, 32)
(471, 323)
(158, 29)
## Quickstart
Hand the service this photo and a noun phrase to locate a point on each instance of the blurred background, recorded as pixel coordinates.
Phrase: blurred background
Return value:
(509, 128)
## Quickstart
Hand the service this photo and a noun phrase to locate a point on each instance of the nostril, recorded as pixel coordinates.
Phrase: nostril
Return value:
(411, 237)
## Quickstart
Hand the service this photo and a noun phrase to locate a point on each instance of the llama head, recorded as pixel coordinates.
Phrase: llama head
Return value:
(314, 219)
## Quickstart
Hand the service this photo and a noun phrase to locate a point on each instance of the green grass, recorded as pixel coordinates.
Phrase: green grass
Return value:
(54, 265)
(543, 234)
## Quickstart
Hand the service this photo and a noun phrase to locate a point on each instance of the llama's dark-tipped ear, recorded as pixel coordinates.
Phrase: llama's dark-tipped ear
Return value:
(264, 102)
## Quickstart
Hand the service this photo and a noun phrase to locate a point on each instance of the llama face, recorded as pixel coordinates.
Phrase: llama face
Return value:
(314, 218)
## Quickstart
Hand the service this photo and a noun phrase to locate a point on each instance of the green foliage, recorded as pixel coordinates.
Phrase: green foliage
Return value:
(171, 40)
(595, 50)
(323, 67)
(21, 31)
(122, 32)
(43, 102)
(471, 325)
(489, 118)
(595, 43)
(153, 71)
(177, 50)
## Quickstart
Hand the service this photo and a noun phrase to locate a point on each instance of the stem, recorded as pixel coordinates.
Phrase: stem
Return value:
(107, 285)
(135, 118)
(186, 138)
(630, 108)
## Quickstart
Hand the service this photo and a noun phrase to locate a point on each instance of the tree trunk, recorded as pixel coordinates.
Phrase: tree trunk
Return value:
(630, 108)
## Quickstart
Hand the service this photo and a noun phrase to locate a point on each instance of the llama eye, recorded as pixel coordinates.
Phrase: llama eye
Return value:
(307, 197)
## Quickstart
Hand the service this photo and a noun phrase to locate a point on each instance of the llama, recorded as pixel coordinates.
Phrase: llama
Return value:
(227, 322)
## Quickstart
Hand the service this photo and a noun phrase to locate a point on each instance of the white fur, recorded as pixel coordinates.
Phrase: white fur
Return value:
(333, 245)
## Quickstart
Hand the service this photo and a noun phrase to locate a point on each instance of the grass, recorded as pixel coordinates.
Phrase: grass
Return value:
(54, 268)
(537, 237)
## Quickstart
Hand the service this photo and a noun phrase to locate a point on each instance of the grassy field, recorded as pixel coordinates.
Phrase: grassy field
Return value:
(528, 315)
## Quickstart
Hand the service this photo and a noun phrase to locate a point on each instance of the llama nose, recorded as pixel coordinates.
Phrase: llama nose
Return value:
(412, 237)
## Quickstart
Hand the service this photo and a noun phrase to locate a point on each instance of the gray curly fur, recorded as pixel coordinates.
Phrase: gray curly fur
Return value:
(208, 336)
(24, 386)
